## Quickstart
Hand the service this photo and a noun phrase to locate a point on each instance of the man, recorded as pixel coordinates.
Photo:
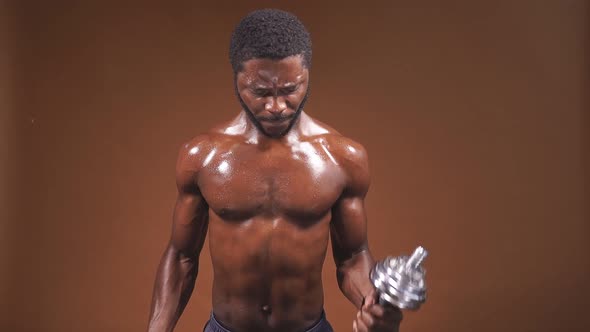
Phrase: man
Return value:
(270, 186)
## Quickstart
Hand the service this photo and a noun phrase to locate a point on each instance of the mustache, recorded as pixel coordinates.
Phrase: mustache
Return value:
(276, 118)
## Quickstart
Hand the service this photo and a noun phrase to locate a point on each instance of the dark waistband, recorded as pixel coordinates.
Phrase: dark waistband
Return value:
(321, 325)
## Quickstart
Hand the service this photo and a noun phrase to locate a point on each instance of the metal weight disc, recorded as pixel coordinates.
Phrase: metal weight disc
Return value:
(400, 280)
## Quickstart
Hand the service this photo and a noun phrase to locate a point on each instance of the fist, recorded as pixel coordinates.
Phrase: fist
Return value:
(374, 317)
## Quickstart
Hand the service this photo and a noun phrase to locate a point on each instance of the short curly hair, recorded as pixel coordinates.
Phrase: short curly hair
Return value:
(269, 33)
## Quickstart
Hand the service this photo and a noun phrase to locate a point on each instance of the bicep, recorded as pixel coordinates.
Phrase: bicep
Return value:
(348, 228)
(190, 218)
(349, 221)
(189, 226)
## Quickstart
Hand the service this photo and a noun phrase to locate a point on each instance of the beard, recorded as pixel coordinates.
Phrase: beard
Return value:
(257, 123)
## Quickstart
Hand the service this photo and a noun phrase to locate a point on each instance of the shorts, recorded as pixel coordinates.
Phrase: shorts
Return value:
(322, 325)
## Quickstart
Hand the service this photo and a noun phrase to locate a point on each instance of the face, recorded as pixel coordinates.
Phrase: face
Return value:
(273, 92)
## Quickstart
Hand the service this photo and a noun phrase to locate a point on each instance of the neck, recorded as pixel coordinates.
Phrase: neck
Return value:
(255, 136)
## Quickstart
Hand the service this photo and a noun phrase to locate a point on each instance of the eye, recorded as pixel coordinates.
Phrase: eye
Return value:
(260, 92)
(289, 90)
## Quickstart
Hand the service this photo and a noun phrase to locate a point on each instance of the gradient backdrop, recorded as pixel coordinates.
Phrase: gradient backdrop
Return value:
(474, 114)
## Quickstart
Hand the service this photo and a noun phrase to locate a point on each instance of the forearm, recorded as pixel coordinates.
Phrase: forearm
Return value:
(174, 284)
(353, 277)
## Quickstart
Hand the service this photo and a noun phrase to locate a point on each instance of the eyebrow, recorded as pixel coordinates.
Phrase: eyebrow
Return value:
(256, 84)
(286, 85)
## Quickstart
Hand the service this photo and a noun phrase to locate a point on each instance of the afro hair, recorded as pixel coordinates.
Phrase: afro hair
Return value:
(269, 33)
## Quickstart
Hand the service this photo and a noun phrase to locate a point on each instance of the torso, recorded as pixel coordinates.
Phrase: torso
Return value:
(269, 221)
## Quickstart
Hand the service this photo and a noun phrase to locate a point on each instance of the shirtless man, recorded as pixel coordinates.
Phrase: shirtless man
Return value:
(271, 186)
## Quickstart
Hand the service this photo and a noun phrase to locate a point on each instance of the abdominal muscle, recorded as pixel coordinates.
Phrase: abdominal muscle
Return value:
(267, 272)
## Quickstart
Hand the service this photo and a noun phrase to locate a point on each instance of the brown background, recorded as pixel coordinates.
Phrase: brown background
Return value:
(473, 113)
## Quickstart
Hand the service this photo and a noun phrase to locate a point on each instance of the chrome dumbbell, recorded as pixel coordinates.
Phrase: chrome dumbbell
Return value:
(400, 280)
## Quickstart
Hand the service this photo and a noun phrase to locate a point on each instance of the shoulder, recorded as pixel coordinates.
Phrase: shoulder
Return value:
(349, 154)
(195, 150)
(354, 161)
(352, 157)
(346, 151)
(193, 153)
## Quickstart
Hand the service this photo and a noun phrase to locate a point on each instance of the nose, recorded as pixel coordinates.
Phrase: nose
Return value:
(275, 105)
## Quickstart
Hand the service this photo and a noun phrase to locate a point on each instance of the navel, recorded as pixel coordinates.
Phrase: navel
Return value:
(266, 309)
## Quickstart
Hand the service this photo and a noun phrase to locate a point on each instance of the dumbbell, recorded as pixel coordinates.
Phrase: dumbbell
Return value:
(400, 280)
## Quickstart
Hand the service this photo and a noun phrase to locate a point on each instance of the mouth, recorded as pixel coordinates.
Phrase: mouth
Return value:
(276, 121)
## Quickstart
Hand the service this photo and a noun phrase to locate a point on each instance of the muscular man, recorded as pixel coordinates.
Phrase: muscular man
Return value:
(270, 186)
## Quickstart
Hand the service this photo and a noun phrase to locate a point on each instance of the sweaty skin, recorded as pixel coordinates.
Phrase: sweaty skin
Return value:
(270, 187)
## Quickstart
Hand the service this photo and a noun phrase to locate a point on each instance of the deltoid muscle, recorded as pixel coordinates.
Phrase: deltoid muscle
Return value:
(400, 280)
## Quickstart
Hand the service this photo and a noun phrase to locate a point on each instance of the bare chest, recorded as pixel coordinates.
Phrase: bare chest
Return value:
(296, 184)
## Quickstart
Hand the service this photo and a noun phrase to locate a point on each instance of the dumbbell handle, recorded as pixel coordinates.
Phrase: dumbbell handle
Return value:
(416, 259)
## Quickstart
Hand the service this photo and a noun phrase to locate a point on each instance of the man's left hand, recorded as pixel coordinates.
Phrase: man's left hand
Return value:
(373, 317)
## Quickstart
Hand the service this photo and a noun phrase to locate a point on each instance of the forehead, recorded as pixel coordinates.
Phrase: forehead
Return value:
(286, 70)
